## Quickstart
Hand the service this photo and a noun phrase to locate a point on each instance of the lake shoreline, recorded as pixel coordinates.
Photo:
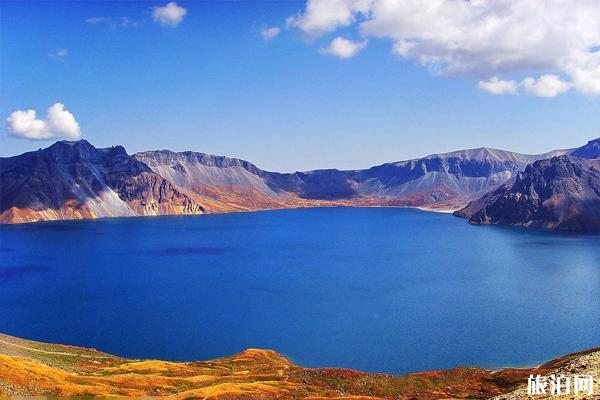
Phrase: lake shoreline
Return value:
(420, 208)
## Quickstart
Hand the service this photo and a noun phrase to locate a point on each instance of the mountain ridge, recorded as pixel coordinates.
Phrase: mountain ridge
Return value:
(75, 180)
(379, 185)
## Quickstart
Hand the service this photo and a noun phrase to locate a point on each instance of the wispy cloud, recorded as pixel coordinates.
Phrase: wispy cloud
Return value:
(270, 33)
(113, 23)
(59, 122)
(60, 54)
(95, 20)
(170, 15)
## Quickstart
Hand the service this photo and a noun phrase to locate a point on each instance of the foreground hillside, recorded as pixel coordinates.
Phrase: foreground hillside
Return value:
(75, 180)
(31, 368)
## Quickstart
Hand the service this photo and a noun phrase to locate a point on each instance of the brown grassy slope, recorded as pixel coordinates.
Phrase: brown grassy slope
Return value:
(32, 368)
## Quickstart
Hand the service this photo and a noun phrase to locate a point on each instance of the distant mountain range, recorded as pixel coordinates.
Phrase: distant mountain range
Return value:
(74, 180)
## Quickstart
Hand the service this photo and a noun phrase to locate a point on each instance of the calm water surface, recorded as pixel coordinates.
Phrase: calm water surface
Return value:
(392, 290)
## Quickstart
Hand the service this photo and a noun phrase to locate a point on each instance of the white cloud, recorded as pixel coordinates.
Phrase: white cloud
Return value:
(58, 123)
(95, 20)
(545, 86)
(498, 86)
(270, 33)
(60, 54)
(343, 48)
(586, 79)
(322, 16)
(478, 39)
(170, 15)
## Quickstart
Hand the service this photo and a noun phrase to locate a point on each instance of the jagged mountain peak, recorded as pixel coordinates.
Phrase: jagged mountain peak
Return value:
(72, 143)
(72, 151)
(65, 151)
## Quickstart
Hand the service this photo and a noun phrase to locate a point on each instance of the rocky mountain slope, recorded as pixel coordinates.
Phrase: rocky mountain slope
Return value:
(590, 151)
(73, 180)
(561, 192)
(37, 369)
(443, 180)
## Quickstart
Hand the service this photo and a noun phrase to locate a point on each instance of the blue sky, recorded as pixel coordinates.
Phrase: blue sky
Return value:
(213, 84)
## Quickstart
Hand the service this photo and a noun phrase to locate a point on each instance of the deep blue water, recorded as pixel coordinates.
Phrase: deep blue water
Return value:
(392, 290)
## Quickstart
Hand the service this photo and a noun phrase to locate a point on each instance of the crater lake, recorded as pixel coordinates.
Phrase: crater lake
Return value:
(376, 289)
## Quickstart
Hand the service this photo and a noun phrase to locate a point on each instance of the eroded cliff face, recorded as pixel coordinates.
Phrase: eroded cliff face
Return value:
(561, 192)
(75, 180)
(150, 194)
(446, 180)
(222, 183)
